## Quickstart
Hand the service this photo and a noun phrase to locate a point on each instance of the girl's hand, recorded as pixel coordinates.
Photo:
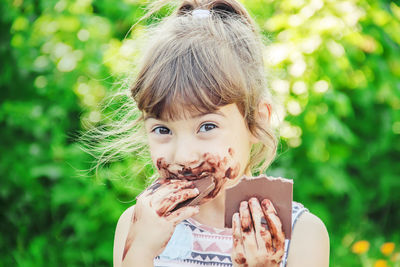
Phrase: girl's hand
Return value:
(258, 238)
(153, 221)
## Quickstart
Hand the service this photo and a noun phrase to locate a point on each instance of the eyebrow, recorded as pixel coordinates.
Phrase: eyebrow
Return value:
(217, 112)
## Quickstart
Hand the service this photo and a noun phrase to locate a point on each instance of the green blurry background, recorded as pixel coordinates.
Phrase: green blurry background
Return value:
(333, 65)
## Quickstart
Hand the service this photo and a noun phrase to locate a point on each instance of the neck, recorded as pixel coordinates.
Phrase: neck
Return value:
(212, 213)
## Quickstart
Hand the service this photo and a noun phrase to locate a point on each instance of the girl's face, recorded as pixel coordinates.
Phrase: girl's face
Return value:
(216, 144)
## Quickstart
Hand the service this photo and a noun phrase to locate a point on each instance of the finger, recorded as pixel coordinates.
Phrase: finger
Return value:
(247, 229)
(168, 204)
(151, 188)
(237, 248)
(182, 214)
(167, 189)
(259, 224)
(266, 236)
(274, 224)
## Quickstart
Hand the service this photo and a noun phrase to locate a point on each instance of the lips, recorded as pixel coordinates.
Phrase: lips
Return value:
(199, 172)
(194, 177)
(203, 170)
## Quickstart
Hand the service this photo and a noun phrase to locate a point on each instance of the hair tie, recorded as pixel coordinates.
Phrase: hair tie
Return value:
(201, 13)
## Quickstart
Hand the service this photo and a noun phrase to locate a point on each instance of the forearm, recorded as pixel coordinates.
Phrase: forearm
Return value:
(137, 257)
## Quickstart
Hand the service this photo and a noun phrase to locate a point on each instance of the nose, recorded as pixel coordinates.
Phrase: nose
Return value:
(185, 153)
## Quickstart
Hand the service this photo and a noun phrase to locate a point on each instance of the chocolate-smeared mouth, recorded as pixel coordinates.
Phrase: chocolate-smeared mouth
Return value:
(188, 176)
(199, 172)
(192, 176)
(209, 176)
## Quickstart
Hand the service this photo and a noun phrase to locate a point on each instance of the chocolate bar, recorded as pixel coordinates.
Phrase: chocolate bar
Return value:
(278, 190)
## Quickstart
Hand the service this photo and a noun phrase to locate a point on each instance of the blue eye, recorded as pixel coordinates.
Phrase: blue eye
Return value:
(207, 127)
(161, 130)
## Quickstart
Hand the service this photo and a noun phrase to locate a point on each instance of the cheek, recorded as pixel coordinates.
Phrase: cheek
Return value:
(222, 145)
(241, 153)
(231, 146)
(238, 138)
(154, 154)
(158, 151)
(218, 149)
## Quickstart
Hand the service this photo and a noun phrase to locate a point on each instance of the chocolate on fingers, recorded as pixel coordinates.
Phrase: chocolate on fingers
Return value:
(238, 248)
(167, 204)
(154, 188)
(274, 225)
(263, 236)
(164, 193)
(247, 229)
(204, 186)
(167, 196)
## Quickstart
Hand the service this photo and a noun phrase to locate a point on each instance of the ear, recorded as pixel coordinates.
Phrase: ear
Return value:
(263, 117)
(264, 112)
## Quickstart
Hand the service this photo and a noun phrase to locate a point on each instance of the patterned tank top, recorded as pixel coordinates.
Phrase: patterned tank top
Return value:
(194, 244)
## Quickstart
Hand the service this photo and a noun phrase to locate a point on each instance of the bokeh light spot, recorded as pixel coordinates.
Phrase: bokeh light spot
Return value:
(321, 86)
(299, 88)
(280, 86)
(83, 35)
(360, 247)
(67, 63)
(293, 107)
(41, 62)
(396, 127)
(297, 68)
(40, 81)
(381, 263)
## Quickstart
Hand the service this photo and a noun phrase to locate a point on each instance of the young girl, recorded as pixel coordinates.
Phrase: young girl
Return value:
(206, 113)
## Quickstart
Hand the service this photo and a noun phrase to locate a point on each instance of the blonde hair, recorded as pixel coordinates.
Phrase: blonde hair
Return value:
(198, 65)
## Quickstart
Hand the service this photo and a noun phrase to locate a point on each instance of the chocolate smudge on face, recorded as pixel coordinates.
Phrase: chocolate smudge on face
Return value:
(163, 167)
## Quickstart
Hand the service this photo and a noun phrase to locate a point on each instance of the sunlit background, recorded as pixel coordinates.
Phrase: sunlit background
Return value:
(334, 67)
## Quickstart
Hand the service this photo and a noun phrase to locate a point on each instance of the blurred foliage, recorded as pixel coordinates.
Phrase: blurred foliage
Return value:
(335, 69)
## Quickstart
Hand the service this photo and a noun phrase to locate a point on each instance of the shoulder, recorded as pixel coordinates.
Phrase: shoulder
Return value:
(121, 233)
(310, 242)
